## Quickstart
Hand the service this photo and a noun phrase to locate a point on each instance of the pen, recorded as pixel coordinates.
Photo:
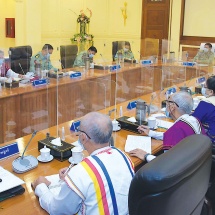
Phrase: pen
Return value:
(70, 166)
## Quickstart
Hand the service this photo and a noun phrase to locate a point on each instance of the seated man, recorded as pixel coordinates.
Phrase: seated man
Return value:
(43, 58)
(80, 59)
(5, 71)
(179, 106)
(97, 185)
(205, 56)
(125, 53)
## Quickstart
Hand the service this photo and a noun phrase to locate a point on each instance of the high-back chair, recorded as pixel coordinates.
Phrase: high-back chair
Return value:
(20, 58)
(174, 183)
(117, 45)
(68, 54)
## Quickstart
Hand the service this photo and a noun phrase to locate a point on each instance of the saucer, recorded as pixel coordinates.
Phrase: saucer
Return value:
(117, 129)
(45, 161)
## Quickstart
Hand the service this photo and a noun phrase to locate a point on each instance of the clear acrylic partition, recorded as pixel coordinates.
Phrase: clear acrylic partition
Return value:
(134, 82)
(167, 54)
(150, 49)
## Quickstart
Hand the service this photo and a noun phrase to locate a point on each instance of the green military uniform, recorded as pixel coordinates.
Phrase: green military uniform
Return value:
(127, 55)
(204, 57)
(43, 60)
(79, 60)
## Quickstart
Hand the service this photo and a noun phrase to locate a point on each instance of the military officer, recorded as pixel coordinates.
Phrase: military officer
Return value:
(126, 52)
(205, 56)
(42, 58)
(79, 60)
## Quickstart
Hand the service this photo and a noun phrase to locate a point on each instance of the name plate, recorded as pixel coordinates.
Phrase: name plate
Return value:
(188, 63)
(9, 150)
(146, 62)
(200, 80)
(115, 67)
(40, 82)
(75, 125)
(75, 74)
(132, 105)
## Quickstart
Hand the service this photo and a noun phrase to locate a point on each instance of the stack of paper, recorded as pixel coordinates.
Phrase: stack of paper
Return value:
(163, 124)
(56, 183)
(138, 142)
(8, 180)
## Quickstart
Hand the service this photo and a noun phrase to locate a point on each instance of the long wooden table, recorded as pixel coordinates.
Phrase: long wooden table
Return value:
(27, 203)
(27, 108)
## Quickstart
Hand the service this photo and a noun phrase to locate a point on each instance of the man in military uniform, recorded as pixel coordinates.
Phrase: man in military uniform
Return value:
(42, 59)
(205, 56)
(80, 59)
(125, 53)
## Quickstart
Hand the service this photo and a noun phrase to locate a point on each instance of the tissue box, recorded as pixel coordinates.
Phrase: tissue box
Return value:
(14, 84)
(61, 153)
(130, 126)
(52, 74)
(101, 67)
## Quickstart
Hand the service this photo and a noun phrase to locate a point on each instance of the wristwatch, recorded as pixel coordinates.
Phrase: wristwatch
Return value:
(145, 156)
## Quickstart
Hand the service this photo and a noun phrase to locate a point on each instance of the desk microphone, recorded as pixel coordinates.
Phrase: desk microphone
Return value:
(25, 163)
(103, 58)
(140, 55)
(61, 64)
(22, 69)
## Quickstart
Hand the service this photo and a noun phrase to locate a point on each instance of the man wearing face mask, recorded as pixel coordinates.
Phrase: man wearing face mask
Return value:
(80, 59)
(205, 56)
(125, 53)
(5, 71)
(99, 184)
(43, 58)
(179, 106)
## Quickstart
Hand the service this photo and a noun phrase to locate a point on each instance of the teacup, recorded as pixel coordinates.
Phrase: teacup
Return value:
(77, 154)
(116, 125)
(45, 153)
(151, 122)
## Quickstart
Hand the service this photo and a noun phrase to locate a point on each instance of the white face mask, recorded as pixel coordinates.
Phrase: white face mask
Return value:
(203, 91)
(125, 49)
(206, 50)
(1, 61)
(91, 55)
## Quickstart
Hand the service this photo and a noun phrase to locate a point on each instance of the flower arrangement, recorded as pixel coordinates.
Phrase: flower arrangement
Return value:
(83, 20)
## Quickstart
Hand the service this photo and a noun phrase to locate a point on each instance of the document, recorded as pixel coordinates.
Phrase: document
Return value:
(163, 124)
(8, 180)
(56, 183)
(138, 142)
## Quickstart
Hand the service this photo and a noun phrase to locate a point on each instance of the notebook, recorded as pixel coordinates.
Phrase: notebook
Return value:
(138, 142)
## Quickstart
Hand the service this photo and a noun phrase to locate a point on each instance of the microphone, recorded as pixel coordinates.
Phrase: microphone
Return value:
(25, 163)
(61, 64)
(140, 55)
(22, 69)
(103, 58)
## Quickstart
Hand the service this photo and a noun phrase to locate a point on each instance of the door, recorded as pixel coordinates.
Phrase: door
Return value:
(155, 22)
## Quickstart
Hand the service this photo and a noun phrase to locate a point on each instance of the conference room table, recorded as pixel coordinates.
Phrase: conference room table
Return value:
(28, 203)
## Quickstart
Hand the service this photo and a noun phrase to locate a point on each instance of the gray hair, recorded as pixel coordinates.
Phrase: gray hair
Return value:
(184, 100)
(98, 126)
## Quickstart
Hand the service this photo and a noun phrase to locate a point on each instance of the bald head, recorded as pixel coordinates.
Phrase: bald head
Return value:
(98, 126)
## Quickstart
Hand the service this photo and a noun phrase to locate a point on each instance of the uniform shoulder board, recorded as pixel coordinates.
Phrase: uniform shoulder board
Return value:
(36, 56)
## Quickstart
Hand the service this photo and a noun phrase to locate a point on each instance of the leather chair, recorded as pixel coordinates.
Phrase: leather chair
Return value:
(174, 183)
(20, 58)
(68, 53)
(117, 45)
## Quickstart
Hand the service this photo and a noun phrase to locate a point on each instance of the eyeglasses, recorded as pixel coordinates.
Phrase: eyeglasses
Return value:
(78, 130)
(168, 101)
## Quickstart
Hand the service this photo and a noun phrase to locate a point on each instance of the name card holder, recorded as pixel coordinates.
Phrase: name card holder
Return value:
(188, 63)
(75, 125)
(40, 82)
(9, 150)
(200, 80)
(75, 74)
(146, 62)
(115, 67)
(132, 105)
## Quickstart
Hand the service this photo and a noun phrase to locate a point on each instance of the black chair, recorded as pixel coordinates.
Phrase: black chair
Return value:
(117, 45)
(20, 58)
(174, 183)
(68, 54)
